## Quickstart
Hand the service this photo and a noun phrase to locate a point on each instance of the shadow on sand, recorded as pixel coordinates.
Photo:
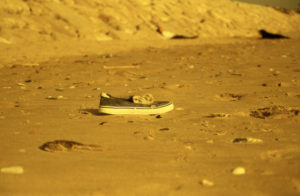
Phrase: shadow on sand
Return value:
(92, 111)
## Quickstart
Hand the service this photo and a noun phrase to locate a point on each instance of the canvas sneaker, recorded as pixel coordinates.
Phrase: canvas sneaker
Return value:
(133, 105)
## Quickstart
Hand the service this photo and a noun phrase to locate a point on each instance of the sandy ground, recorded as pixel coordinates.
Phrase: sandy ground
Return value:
(236, 105)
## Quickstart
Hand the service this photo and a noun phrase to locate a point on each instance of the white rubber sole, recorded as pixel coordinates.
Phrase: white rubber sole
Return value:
(136, 110)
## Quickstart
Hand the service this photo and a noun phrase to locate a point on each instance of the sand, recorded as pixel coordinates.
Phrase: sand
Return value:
(234, 129)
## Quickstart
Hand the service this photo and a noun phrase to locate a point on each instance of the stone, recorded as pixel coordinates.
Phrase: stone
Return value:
(12, 170)
(248, 140)
(239, 171)
(206, 182)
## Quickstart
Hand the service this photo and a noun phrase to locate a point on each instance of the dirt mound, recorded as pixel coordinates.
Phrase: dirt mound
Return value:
(40, 20)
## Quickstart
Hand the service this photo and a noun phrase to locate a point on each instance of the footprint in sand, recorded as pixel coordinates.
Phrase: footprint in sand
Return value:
(68, 146)
(228, 97)
(275, 112)
(276, 155)
(291, 94)
(218, 115)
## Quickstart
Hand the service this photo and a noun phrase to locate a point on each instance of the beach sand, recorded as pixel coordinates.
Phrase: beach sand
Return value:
(234, 129)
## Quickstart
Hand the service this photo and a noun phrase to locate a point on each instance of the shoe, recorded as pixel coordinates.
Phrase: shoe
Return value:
(141, 105)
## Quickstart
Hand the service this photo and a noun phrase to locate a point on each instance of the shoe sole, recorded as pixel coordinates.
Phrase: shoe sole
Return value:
(136, 110)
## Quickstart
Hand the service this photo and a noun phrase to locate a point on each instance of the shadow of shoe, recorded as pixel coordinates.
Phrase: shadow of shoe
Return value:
(92, 111)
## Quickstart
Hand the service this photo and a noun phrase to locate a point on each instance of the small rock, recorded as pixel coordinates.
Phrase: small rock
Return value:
(12, 170)
(71, 87)
(149, 137)
(191, 66)
(206, 182)
(247, 140)
(20, 84)
(239, 171)
(276, 73)
(164, 129)
(179, 109)
(106, 55)
(234, 72)
(102, 123)
(60, 97)
(59, 89)
(167, 34)
(188, 147)
(137, 132)
(51, 98)
(254, 140)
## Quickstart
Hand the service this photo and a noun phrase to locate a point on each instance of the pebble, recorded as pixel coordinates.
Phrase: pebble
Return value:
(12, 170)
(164, 129)
(276, 73)
(51, 98)
(254, 140)
(191, 66)
(179, 109)
(239, 171)
(206, 182)
(188, 147)
(247, 140)
(55, 98)
(102, 123)
(149, 137)
(137, 132)
(59, 89)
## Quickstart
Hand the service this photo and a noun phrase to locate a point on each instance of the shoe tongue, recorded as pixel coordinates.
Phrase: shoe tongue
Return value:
(146, 99)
